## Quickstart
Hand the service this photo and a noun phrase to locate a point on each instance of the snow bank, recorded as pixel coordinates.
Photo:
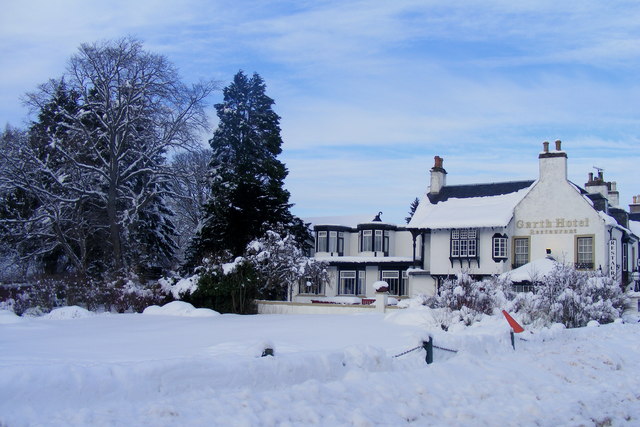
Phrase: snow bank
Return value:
(129, 369)
(180, 308)
(7, 317)
(72, 312)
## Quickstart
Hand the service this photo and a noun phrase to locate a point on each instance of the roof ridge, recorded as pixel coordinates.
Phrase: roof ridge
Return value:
(494, 182)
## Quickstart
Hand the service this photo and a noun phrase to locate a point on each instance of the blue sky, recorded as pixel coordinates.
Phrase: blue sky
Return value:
(370, 91)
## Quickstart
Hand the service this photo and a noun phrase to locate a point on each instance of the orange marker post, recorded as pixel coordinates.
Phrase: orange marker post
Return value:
(512, 322)
(515, 327)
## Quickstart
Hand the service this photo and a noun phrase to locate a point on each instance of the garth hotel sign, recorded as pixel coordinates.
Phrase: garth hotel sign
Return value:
(553, 226)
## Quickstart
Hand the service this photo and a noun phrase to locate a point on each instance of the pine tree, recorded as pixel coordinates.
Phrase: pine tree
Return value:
(412, 209)
(247, 193)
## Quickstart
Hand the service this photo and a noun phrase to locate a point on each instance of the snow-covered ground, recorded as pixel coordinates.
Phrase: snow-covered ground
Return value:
(179, 367)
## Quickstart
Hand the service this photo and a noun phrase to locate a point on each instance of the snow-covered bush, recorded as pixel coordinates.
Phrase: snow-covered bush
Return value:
(469, 298)
(281, 264)
(122, 295)
(225, 287)
(575, 297)
(566, 296)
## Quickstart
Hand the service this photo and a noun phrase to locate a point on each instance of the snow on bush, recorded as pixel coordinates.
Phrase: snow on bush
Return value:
(573, 297)
(127, 294)
(281, 264)
(565, 296)
(180, 308)
(466, 298)
(181, 287)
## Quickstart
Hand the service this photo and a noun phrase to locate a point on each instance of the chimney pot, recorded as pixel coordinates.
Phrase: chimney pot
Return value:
(600, 175)
(558, 144)
(545, 146)
(438, 162)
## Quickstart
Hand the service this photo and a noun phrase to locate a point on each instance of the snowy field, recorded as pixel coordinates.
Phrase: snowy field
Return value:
(195, 368)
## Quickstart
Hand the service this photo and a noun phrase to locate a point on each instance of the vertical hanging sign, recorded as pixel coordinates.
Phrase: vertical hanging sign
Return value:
(612, 259)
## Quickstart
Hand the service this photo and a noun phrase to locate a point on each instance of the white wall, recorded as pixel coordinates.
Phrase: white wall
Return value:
(421, 284)
(439, 251)
(403, 244)
(552, 215)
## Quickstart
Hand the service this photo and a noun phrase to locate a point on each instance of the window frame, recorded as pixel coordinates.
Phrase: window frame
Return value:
(580, 262)
(358, 282)
(322, 236)
(366, 241)
(463, 243)
(397, 280)
(515, 248)
(500, 247)
(316, 288)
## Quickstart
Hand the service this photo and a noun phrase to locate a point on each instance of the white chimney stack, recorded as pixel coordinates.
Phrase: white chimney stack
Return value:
(438, 176)
(553, 164)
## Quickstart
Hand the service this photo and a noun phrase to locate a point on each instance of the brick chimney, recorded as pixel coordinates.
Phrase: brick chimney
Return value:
(553, 164)
(438, 176)
(635, 206)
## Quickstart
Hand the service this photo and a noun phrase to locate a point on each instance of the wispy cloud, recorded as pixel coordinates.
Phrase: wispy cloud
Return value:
(370, 91)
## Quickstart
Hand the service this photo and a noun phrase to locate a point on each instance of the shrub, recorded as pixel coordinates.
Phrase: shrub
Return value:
(226, 288)
(565, 295)
(575, 297)
(465, 292)
(121, 295)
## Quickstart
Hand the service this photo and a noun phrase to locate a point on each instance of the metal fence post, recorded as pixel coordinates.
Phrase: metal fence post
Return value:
(428, 346)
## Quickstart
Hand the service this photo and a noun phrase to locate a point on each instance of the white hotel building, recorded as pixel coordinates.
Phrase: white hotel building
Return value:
(483, 229)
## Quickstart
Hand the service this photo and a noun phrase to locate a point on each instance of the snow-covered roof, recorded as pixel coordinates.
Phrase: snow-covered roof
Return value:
(535, 270)
(364, 259)
(490, 205)
(343, 220)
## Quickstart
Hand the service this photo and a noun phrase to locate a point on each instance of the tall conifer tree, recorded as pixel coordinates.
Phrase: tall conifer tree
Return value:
(247, 193)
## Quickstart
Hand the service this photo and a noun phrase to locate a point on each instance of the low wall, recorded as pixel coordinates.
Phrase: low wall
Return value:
(283, 307)
(633, 304)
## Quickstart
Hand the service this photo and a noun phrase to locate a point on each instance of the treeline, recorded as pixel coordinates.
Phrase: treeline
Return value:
(110, 182)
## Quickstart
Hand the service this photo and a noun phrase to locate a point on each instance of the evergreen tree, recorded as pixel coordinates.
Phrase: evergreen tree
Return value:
(412, 209)
(247, 194)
